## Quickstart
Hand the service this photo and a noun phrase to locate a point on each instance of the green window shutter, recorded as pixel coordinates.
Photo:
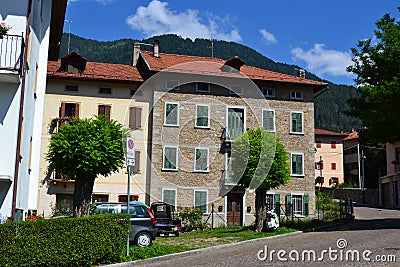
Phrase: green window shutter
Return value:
(171, 114)
(170, 158)
(288, 201)
(169, 196)
(297, 122)
(200, 200)
(277, 201)
(202, 116)
(305, 204)
(268, 120)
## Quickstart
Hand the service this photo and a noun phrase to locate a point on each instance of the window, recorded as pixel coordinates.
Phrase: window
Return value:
(171, 114)
(200, 200)
(124, 198)
(296, 94)
(69, 110)
(318, 144)
(272, 199)
(236, 89)
(172, 85)
(298, 204)
(103, 90)
(268, 92)
(203, 87)
(201, 159)
(169, 196)
(333, 144)
(268, 120)
(64, 202)
(235, 123)
(202, 116)
(71, 88)
(334, 181)
(104, 111)
(170, 159)
(135, 118)
(99, 198)
(296, 122)
(333, 165)
(297, 164)
(136, 168)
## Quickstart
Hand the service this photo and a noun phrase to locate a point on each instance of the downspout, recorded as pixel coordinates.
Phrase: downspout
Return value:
(20, 119)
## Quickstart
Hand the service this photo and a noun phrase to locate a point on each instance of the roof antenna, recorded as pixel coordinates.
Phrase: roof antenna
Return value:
(212, 45)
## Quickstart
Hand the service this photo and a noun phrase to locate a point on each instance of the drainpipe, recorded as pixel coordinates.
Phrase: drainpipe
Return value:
(21, 118)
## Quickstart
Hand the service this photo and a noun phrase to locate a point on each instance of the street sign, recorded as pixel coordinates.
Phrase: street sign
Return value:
(130, 162)
(130, 151)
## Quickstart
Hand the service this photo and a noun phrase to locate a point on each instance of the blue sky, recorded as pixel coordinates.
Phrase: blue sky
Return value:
(316, 35)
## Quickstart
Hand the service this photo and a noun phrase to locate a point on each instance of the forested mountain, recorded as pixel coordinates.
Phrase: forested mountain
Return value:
(328, 106)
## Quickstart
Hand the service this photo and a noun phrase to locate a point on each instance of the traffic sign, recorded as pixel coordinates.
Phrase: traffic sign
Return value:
(130, 151)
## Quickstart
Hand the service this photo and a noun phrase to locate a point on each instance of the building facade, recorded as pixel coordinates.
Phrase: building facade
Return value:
(200, 105)
(389, 185)
(329, 169)
(77, 88)
(36, 28)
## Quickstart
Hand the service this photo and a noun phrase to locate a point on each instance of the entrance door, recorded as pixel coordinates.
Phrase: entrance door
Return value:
(234, 209)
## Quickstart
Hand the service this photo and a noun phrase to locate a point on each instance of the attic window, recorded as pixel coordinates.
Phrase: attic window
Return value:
(71, 88)
(103, 90)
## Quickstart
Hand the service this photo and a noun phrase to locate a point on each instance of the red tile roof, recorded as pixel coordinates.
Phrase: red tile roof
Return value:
(352, 135)
(97, 71)
(326, 132)
(165, 61)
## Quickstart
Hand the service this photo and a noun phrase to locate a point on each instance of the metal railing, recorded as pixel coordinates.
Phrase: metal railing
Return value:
(12, 52)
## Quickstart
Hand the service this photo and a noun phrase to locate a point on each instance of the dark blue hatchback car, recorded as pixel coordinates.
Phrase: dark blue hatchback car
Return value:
(143, 229)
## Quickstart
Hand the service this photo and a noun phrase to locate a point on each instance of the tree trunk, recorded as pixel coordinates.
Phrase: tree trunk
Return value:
(261, 213)
(82, 196)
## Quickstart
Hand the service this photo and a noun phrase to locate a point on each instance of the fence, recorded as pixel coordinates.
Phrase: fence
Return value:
(11, 52)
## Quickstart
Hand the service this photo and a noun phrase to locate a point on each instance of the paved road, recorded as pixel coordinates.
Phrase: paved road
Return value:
(374, 237)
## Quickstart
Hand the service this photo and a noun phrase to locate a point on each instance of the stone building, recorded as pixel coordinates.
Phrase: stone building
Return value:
(200, 105)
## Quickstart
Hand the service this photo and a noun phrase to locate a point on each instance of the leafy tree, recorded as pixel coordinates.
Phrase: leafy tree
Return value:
(259, 161)
(84, 149)
(377, 66)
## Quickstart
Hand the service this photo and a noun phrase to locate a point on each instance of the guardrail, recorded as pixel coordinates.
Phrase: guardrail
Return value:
(12, 52)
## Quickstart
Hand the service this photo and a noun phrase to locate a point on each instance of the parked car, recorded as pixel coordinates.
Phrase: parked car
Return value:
(166, 222)
(143, 230)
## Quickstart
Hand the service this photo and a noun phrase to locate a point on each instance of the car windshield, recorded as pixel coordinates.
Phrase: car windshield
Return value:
(136, 211)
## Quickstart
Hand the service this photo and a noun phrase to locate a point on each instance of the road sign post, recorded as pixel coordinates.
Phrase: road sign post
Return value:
(130, 163)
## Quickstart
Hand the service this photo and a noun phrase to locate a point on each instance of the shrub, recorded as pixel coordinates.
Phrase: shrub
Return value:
(192, 219)
(65, 241)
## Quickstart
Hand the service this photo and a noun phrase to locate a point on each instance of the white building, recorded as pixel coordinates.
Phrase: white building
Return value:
(24, 51)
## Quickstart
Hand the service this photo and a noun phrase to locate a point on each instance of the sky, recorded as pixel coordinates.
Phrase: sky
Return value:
(316, 35)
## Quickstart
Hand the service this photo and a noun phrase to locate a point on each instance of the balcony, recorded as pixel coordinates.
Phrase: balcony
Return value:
(11, 57)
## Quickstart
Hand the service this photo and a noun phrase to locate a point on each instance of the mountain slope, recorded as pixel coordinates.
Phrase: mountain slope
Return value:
(328, 106)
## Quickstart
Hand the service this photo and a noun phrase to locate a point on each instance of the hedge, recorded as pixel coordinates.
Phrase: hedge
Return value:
(82, 241)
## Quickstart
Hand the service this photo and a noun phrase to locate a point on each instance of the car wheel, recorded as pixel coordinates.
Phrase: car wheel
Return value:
(143, 239)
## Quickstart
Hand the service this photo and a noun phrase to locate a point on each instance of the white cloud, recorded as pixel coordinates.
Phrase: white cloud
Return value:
(323, 61)
(157, 19)
(267, 36)
(104, 2)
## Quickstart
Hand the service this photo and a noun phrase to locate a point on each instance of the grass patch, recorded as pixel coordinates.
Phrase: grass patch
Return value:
(207, 238)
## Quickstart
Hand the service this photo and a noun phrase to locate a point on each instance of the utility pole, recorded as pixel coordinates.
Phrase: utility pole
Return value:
(69, 32)
(212, 45)
(321, 166)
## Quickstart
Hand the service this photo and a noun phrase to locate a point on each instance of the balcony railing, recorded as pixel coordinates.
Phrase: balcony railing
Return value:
(11, 52)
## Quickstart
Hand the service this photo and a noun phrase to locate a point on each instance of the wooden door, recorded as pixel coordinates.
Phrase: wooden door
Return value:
(234, 209)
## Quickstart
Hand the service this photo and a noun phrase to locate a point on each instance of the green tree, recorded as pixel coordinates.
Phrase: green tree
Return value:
(259, 161)
(84, 149)
(377, 66)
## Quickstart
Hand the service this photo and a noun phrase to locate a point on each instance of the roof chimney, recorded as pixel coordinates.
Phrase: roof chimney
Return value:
(302, 73)
(156, 47)
(136, 52)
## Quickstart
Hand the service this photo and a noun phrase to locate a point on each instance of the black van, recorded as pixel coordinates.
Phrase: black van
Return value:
(143, 229)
